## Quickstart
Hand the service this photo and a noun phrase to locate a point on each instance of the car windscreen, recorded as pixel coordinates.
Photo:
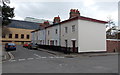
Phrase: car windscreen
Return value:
(11, 44)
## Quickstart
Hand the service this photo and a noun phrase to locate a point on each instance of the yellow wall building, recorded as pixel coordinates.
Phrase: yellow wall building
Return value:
(17, 35)
(18, 32)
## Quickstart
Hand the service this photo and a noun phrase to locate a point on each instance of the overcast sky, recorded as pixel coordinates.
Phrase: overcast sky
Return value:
(48, 9)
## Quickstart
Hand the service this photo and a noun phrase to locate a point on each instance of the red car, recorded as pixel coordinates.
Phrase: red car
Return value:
(26, 45)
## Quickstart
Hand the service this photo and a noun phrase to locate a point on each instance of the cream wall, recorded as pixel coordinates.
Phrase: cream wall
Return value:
(70, 35)
(18, 31)
(92, 36)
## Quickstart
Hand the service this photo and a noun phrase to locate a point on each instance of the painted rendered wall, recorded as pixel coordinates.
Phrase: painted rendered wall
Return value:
(52, 34)
(91, 36)
(70, 35)
(18, 31)
(36, 37)
(41, 36)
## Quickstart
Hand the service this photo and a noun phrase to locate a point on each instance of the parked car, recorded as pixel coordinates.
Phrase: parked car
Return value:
(32, 46)
(26, 45)
(10, 47)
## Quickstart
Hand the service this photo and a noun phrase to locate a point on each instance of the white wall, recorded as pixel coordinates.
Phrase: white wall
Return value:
(41, 36)
(35, 37)
(52, 34)
(70, 35)
(32, 37)
(92, 36)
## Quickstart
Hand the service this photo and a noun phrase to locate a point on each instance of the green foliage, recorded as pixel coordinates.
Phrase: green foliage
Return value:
(7, 14)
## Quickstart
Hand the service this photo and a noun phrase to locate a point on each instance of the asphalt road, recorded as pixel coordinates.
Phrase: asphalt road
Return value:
(34, 61)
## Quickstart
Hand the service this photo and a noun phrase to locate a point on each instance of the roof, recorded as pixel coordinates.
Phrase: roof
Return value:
(85, 18)
(76, 18)
(23, 25)
(81, 18)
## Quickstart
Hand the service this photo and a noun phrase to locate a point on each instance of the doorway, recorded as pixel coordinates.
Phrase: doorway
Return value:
(73, 45)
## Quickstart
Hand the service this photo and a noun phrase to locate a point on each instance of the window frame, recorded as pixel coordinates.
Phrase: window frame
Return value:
(22, 37)
(10, 36)
(16, 37)
(66, 29)
(56, 31)
(73, 28)
(27, 36)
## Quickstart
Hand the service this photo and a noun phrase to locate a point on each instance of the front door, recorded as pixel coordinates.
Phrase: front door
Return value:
(73, 43)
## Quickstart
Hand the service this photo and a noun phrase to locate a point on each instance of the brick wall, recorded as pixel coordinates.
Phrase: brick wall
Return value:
(113, 46)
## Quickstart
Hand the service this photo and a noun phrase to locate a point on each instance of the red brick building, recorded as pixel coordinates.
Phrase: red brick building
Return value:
(113, 45)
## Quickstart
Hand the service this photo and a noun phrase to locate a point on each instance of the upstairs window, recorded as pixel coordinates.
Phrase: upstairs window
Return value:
(22, 36)
(48, 32)
(28, 36)
(56, 31)
(66, 29)
(16, 35)
(73, 28)
(10, 35)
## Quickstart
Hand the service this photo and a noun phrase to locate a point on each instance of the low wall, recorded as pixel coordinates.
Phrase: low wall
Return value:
(58, 48)
(113, 45)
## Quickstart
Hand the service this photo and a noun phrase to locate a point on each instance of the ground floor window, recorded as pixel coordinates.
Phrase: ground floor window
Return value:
(66, 43)
(56, 42)
(40, 41)
(48, 42)
(52, 42)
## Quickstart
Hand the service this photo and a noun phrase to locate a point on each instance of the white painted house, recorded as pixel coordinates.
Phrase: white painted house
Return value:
(78, 33)
(41, 36)
(53, 35)
(34, 37)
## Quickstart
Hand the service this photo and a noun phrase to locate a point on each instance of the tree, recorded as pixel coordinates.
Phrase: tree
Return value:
(7, 13)
(110, 27)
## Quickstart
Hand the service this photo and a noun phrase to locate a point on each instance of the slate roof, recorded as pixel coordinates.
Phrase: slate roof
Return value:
(23, 25)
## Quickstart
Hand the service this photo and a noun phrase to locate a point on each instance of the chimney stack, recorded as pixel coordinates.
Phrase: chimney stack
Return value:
(46, 23)
(56, 20)
(74, 13)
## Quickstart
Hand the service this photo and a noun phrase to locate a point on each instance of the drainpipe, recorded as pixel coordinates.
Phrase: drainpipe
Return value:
(60, 35)
(45, 35)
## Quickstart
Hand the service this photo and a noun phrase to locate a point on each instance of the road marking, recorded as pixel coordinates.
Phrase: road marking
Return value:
(59, 57)
(37, 58)
(60, 64)
(21, 59)
(37, 55)
(43, 57)
(30, 58)
(51, 57)
(5, 56)
(12, 60)
(11, 56)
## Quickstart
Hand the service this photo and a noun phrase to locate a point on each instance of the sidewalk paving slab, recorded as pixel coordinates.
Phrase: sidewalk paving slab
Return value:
(76, 54)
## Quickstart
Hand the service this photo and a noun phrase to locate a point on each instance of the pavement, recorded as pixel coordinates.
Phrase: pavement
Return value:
(8, 55)
(77, 54)
(5, 55)
(43, 61)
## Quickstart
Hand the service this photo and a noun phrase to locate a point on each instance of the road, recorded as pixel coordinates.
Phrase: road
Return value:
(34, 61)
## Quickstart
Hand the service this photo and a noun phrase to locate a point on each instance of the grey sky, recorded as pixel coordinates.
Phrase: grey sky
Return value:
(48, 10)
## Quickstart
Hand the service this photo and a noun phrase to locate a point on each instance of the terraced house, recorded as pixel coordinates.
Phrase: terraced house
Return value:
(78, 33)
